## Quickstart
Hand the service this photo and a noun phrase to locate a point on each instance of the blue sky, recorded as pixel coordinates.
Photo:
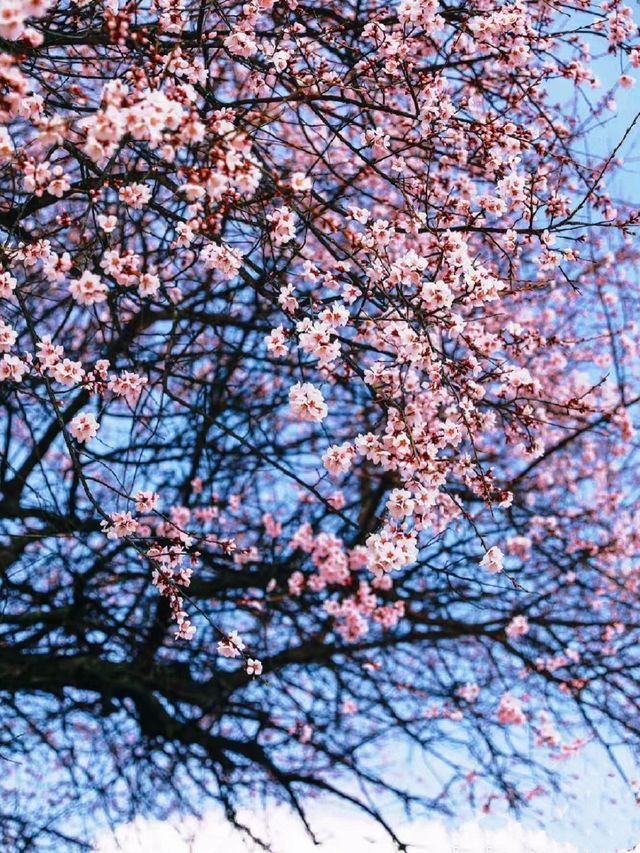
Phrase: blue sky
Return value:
(341, 830)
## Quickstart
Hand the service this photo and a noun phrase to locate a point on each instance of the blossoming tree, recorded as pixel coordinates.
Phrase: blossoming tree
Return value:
(319, 364)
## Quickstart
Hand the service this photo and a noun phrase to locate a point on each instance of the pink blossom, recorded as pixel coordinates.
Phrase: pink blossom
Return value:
(186, 631)
(8, 336)
(518, 627)
(120, 524)
(13, 17)
(224, 259)
(67, 372)
(390, 550)
(400, 503)
(48, 352)
(307, 402)
(276, 342)
(231, 646)
(469, 692)
(283, 226)
(12, 367)
(146, 501)
(84, 427)
(492, 560)
(240, 44)
(6, 144)
(149, 284)
(287, 300)
(253, 666)
(338, 459)
(7, 285)
(89, 289)
(300, 183)
(337, 499)
(107, 223)
(510, 711)
(128, 385)
(135, 195)
(296, 583)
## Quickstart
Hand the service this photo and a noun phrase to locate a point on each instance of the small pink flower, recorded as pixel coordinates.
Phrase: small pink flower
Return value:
(300, 183)
(122, 524)
(84, 427)
(254, 667)
(12, 367)
(149, 284)
(283, 225)
(338, 459)
(146, 501)
(135, 195)
(400, 503)
(7, 285)
(232, 646)
(518, 627)
(510, 711)
(89, 289)
(240, 43)
(107, 223)
(469, 692)
(67, 372)
(8, 336)
(307, 402)
(492, 560)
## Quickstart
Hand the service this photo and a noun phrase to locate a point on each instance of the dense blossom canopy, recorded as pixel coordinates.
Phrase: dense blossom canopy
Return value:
(317, 386)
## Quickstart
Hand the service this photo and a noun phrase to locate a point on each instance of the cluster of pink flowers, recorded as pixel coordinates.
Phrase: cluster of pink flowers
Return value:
(391, 549)
(8, 336)
(307, 403)
(169, 573)
(283, 227)
(224, 259)
(84, 427)
(231, 646)
(14, 15)
(128, 385)
(510, 711)
(317, 339)
(338, 459)
(120, 524)
(7, 285)
(89, 289)
(12, 368)
(208, 221)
